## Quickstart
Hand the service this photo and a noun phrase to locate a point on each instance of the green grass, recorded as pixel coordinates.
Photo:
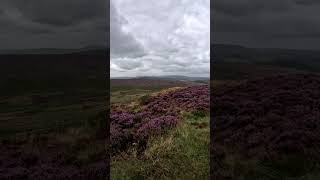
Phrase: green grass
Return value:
(183, 153)
(115, 88)
(126, 96)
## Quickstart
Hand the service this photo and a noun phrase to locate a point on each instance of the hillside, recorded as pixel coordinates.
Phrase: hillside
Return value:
(142, 83)
(52, 115)
(25, 73)
(238, 62)
(267, 125)
(161, 132)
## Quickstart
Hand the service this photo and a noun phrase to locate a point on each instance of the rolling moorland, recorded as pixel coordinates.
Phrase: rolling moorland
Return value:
(265, 113)
(53, 115)
(159, 129)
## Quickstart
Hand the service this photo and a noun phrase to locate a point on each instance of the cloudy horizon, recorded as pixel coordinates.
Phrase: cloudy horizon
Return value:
(153, 38)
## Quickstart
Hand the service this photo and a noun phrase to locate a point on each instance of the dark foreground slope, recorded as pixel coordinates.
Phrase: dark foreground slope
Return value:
(50, 90)
(268, 128)
(53, 116)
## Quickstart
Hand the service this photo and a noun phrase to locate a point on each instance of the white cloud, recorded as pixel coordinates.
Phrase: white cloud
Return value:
(151, 37)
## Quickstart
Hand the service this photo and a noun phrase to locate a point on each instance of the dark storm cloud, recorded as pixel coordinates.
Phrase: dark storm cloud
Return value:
(59, 12)
(306, 2)
(275, 23)
(53, 24)
(247, 7)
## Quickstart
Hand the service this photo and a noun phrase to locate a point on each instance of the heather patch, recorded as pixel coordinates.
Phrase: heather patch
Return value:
(157, 114)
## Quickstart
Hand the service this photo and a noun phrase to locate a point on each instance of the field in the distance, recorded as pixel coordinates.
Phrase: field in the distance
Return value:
(126, 90)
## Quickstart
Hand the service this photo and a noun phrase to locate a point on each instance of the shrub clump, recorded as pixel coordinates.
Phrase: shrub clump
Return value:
(155, 126)
(145, 99)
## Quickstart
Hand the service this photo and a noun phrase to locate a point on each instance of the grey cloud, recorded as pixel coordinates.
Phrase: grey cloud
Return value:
(53, 24)
(122, 44)
(306, 2)
(59, 12)
(249, 7)
(267, 23)
(124, 64)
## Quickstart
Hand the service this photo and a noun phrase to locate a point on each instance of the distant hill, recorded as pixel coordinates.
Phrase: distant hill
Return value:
(307, 60)
(22, 73)
(48, 51)
(167, 77)
(176, 78)
(239, 62)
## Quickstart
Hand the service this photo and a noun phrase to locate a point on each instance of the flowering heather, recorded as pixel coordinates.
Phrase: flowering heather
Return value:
(267, 119)
(155, 126)
(269, 115)
(188, 99)
(17, 164)
(119, 137)
(123, 119)
(158, 114)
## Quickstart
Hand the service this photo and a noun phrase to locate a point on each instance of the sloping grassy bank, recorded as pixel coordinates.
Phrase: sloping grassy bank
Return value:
(182, 153)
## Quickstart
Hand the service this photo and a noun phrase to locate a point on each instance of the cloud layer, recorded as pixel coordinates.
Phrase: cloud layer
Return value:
(273, 23)
(52, 24)
(150, 37)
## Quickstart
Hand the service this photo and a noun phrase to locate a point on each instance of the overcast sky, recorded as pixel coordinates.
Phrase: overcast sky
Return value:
(267, 23)
(52, 23)
(167, 37)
